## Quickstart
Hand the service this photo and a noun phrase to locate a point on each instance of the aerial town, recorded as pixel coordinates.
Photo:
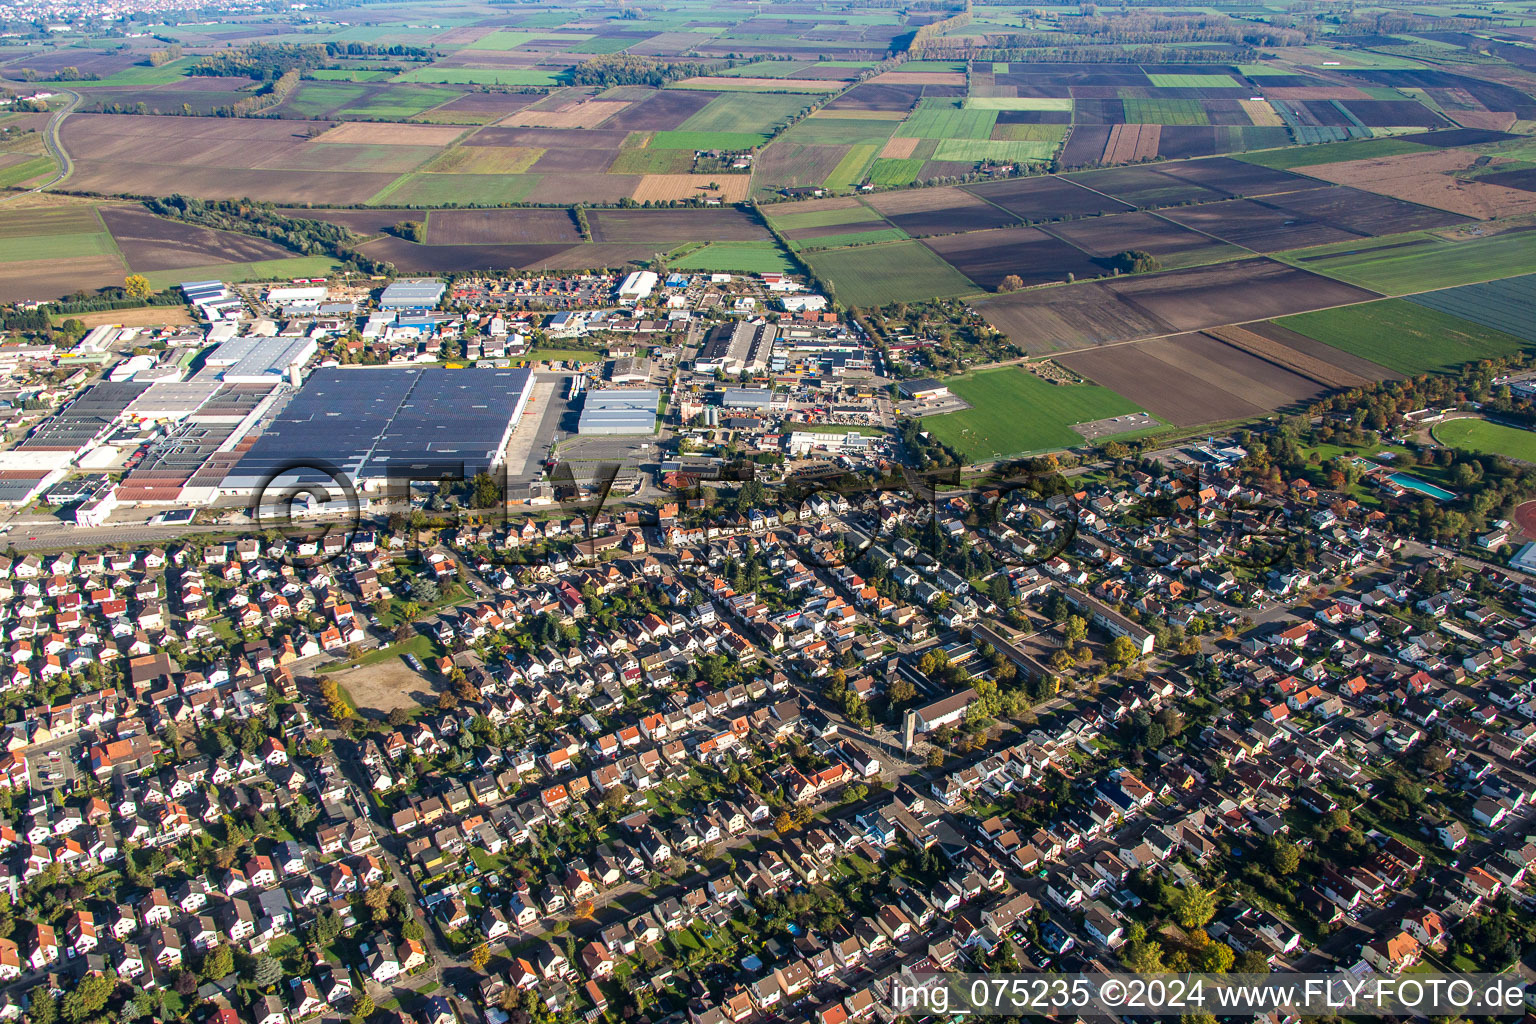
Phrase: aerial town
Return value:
(612, 656)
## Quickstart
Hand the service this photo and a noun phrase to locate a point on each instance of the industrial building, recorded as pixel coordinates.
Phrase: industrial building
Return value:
(925, 389)
(757, 399)
(743, 347)
(258, 360)
(372, 423)
(422, 293)
(619, 411)
(637, 287)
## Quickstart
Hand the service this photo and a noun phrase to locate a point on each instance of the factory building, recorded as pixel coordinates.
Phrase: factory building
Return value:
(619, 411)
(422, 293)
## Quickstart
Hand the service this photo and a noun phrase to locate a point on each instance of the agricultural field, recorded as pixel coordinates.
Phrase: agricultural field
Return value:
(1421, 262)
(1508, 305)
(876, 275)
(1487, 438)
(1014, 412)
(1404, 336)
(735, 257)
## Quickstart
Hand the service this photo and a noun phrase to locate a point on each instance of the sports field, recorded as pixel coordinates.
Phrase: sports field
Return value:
(1421, 262)
(1014, 412)
(1403, 336)
(877, 275)
(1486, 438)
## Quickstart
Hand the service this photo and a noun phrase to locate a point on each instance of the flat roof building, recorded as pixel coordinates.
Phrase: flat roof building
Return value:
(923, 390)
(258, 360)
(760, 399)
(372, 423)
(421, 293)
(619, 411)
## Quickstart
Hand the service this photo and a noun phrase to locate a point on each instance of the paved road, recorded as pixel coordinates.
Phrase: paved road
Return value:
(54, 147)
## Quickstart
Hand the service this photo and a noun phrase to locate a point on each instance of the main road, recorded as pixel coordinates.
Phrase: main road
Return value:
(54, 146)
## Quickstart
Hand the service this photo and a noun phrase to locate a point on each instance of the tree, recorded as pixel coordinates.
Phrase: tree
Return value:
(480, 956)
(265, 971)
(1194, 906)
(1284, 857)
(1122, 651)
(1011, 283)
(1143, 957)
(362, 1007)
(784, 823)
(1136, 261)
(1074, 630)
(41, 1007)
(87, 997)
(219, 962)
(138, 287)
(1217, 958)
(1252, 961)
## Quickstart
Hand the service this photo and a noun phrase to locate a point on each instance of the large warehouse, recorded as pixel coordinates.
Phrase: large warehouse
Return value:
(619, 411)
(367, 421)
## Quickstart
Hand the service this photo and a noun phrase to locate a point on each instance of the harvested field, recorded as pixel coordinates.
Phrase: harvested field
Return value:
(1458, 137)
(1174, 245)
(920, 78)
(594, 257)
(1493, 120)
(674, 226)
(1046, 198)
(1066, 318)
(443, 259)
(1345, 361)
(1299, 93)
(1228, 293)
(1236, 177)
(733, 188)
(1524, 180)
(148, 242)
(1428, 178)
(789, 164)
(1194, 378)
(363, 133)
(1145, 188)
(47, 280)
(661, 111)
(872, 96)
(359, 222)
(485, 160)
(501, 227)
(940, 211)
(1304, 364)
(1261, 113)
(1180, 142)
(1363, 212)
(1129, 143)
(899, 149)
(559, 160)
(577, 115)
(567, 189)
(147, 316)
(813, 212)
(1394, 114)
(987, 257)
(483, 107)
(601, 139)
(1262, 227)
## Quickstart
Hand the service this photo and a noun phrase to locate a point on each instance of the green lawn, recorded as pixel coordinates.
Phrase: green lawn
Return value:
(1488, 439)
(1403, 335)
(1014, 412)
(1421, 262)
(877, 275)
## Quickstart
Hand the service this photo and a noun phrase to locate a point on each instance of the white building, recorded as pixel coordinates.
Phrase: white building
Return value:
(637, 287)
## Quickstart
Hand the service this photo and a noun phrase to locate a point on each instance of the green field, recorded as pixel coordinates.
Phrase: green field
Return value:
(456, 189)
(1486, 438)
(266, 270)
(1019, 103)
(315, 99)
(26, 171)
(1195, 82)
(976, 150)
(850, 238)
(138, 74)
(483, 76)
(790, 221)
(397, 103)
(648, 160)
(840, 131)
(811, 87)
(877, 275)
(346, 75)
(1176, 112)
(850, 169)
(1332, 152)
(736, 257)
(1013, 412)
(505, 39)
(55, 234)
(695, 140)
(1403, 336)
(1421, 262)
(895, 171)
(745, 112)
(947, 119)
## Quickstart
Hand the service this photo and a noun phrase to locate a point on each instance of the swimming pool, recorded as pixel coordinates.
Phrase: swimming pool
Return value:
(1413, 483)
